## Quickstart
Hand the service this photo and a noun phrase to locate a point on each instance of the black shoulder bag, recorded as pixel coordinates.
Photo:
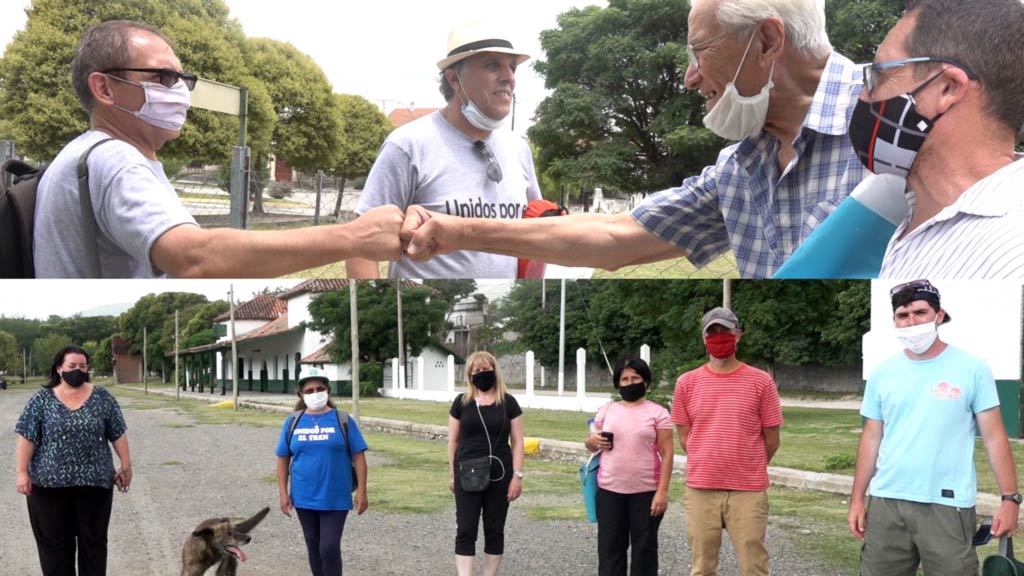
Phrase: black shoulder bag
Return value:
(475, 473)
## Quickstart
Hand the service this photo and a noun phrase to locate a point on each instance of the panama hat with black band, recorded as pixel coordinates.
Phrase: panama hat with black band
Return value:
(473, 38)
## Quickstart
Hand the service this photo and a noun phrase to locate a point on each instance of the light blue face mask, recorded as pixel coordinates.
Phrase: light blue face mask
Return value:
(475, 116)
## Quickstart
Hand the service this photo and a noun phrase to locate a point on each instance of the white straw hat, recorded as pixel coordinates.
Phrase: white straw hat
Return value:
(475, 37)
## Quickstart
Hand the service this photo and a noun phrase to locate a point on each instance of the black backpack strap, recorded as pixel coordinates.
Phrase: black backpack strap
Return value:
(90, 234)
(291, 427)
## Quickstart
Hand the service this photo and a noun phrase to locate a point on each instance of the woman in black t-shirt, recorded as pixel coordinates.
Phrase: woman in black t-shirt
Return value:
(486, 421)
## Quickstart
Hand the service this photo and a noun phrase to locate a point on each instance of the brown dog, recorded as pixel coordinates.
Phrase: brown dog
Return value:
(218, 540)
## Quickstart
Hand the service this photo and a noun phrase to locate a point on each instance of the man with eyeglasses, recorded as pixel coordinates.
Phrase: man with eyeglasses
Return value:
(132, 85)
(942, 107)
(771, 81)
(459, 161)
(921, 409)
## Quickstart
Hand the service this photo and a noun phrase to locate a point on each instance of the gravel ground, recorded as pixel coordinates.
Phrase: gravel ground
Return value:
(184, 473)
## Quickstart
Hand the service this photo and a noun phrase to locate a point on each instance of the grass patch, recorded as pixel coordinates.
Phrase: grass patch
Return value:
(178, 426)
(557, 512)
(269, 479)
(172, 463)
(815, 522)
(723, 267)
(201, 412)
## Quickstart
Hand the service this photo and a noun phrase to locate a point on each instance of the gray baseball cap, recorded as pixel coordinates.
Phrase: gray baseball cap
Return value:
(719, 315)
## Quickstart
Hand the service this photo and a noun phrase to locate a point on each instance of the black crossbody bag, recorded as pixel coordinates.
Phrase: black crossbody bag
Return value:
(475, 473)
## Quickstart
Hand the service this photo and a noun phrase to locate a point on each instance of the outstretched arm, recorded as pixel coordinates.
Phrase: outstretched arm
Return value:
(190, 252)
(594, 240)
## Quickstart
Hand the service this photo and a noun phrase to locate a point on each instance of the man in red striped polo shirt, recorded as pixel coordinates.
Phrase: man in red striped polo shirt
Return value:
(728, 416)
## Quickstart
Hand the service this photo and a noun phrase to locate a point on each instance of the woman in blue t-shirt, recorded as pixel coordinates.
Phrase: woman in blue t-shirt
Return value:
(63, 465)
(321, 453)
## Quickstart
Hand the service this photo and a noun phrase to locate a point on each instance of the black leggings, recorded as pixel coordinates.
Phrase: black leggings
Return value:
(493, 502)
(624, 520)
(62, 518)
(322, 530)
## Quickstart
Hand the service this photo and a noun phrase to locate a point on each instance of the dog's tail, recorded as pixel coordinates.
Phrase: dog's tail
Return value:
(251, 523)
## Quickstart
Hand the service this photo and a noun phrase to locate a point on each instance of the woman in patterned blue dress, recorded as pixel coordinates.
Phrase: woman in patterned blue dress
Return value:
(64, 466)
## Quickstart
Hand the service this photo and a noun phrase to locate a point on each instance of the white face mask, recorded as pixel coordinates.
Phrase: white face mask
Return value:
(315, 401)
(165, 107)
(475, 116)
(919, 337)
(735, 117)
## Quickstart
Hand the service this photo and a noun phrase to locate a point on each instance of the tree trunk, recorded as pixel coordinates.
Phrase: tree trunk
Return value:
(341, 192)
(257, 197)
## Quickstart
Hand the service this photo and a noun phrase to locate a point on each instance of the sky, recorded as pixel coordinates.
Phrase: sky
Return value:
(385, 51)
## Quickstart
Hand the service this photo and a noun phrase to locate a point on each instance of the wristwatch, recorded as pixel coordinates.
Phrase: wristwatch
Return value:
(1015, 497)
(519, 474)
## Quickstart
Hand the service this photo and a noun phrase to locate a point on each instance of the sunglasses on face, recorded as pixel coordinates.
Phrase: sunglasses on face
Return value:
(873, 72)
(168, 76)
(315, 390)
(493, 169)
(917, 285)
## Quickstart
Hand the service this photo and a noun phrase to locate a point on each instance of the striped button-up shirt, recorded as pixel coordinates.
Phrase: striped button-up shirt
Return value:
(744, 203)
(979, 236)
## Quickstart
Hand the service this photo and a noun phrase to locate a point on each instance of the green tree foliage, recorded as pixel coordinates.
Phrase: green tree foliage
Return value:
(364, 130)
(39, 109)
(153, 312)
(619, 116)
(10, 355)
(45, 349)
(100, 357)
(857, 27)
(84, 328)
(795, 323)
(24, 330)
(378, 311)
(308, 131)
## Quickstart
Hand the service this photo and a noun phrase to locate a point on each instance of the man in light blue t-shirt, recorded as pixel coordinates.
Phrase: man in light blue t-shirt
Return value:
(922, 409)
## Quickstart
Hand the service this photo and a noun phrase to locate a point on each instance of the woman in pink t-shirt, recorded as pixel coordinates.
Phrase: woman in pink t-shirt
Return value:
(635, 438)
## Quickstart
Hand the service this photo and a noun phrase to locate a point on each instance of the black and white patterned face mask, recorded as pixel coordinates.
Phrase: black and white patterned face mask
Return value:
(887, 134)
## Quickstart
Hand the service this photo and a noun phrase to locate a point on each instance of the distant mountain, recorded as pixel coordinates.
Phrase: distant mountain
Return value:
(107, 310)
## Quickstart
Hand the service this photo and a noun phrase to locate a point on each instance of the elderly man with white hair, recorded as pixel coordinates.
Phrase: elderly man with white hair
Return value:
(772, 82)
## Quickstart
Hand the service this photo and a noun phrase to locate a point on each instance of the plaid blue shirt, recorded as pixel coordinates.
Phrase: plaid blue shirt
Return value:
(744, 204)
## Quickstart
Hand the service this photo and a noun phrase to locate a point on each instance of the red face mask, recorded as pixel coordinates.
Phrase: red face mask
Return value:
(720, 345)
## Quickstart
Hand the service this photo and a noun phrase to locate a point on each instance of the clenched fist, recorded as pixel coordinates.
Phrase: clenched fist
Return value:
(377, 233)
(426, 234)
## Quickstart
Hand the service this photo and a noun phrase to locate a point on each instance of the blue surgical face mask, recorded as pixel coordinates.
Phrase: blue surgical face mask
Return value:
(475, 116)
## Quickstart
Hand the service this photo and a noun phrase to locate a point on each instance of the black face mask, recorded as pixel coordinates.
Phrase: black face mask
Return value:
(75, 378)
(633, 392)
(484, 381)
(887, 135)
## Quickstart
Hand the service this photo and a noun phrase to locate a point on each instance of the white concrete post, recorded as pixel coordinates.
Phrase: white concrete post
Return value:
(402, 390)
(529, 379)
(394, 375)
(581, 376)
(451, 377)
(419, 374)
(645, 354)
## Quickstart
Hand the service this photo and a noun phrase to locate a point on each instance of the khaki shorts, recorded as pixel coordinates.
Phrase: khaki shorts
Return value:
(901, 534)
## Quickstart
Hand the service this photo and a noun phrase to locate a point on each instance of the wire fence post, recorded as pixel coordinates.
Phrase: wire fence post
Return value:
(319, 194)
(239, 186)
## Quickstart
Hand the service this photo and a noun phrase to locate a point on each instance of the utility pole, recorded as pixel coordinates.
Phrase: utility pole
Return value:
(234, 349)
(354, 327)
(727, 293)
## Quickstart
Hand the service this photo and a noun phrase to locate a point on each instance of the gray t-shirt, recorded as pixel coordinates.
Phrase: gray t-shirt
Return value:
(132, 200)
(430, 163)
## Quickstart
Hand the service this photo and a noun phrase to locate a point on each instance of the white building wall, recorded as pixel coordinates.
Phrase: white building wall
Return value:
(242, 326)
(298, 309)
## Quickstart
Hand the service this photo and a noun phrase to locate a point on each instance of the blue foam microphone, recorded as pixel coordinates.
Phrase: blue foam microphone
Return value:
(851, 242)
